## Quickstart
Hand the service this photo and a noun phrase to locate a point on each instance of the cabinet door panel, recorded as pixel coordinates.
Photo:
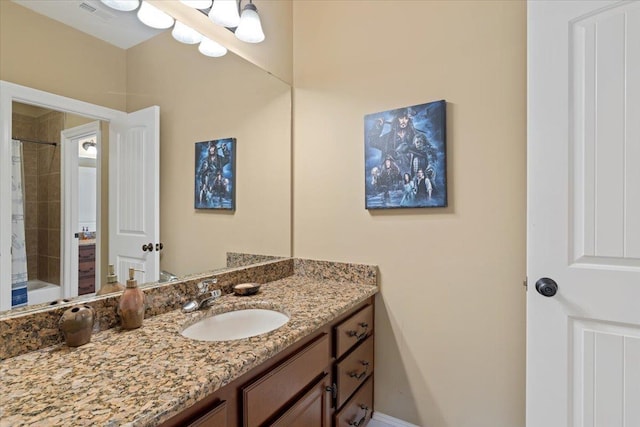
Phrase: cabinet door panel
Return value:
(271, 392)
(217, 417)
(311, 410)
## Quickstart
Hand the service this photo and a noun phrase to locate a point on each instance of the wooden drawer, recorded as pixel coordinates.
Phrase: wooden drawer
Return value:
(353, 330)
(358, 411)
(353, 371)
(86, 286)
(86, 253)
(270, 393)
(86, 270)
(217, 417)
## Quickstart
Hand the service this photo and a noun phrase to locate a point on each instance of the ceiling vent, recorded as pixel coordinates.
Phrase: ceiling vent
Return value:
(100, 13)
(87, 7)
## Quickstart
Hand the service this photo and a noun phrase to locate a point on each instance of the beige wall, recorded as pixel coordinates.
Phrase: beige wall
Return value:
(450, 319)
(43, 54)
(201, 99)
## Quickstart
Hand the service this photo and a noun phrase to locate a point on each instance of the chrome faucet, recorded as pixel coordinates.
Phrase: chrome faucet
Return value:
(205, 297)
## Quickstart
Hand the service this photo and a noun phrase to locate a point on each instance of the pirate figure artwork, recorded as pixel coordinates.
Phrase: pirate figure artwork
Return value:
(215, 174)
(405, 157)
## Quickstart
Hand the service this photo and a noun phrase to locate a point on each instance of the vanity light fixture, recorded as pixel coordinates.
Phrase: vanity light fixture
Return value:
(247, 27)
(250, 28)
(122, 5)
(210, 48)
(185, 34)
(197, 4)
(90, 146)
(225, 13)
(154, 17)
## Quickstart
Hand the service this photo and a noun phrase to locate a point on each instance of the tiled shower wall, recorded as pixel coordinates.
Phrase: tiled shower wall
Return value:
(42, 193)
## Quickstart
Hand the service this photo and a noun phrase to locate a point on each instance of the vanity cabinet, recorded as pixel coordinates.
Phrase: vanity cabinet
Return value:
(86, 268)
(323, 380)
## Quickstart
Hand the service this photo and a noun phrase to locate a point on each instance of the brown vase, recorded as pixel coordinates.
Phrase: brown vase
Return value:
(76, 325)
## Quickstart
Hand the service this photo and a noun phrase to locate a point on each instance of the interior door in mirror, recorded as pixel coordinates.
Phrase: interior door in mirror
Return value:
(134, 193)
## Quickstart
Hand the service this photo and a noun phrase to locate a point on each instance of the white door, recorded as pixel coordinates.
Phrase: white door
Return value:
(134, 195)
(583, 227)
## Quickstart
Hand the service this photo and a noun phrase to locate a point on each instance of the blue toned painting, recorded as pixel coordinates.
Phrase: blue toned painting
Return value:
(405, 157)
(215, 174)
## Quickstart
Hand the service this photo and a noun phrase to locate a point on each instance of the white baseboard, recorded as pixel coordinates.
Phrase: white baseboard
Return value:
(395, 422)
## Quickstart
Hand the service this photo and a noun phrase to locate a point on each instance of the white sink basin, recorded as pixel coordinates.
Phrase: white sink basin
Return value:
(235, 325)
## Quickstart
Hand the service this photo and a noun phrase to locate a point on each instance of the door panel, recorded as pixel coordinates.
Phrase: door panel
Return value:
(605, 357)
(583, 225)
(604, 137)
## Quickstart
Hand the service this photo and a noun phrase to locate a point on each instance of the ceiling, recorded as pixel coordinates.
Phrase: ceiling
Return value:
(121, 29)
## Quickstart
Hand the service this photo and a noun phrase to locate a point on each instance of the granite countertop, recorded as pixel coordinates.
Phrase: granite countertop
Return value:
(144, 376)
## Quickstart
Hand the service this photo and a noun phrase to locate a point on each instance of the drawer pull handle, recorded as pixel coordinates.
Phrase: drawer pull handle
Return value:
(359, 423)
(362, 374)
(363, 335)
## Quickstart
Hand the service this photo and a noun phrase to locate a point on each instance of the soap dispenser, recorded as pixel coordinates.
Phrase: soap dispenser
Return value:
(131, 306)
(112, 284)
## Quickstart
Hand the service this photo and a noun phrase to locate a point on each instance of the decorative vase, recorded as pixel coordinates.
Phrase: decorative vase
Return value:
(76, 325)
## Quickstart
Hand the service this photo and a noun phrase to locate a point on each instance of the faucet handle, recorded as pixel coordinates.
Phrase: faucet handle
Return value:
(203, 287)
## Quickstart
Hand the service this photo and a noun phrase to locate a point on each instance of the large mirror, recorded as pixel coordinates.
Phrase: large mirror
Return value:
(199, 98)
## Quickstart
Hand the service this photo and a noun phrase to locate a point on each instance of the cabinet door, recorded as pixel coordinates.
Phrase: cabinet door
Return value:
(270, 393)
(312, 410)
(216, 417)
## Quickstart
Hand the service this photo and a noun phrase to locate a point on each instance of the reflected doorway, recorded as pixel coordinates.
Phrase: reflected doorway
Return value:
(50, 185)
(82, 149)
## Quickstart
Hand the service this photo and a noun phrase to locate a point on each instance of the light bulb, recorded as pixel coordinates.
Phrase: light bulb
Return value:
(154, 17)
(250, 28)
(123, 5)
(197, 4)
(210, 48)
(225, 13)
(185, 34)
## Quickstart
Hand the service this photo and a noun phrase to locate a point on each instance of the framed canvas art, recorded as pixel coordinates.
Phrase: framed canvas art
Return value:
(215, 174)
(405, 157)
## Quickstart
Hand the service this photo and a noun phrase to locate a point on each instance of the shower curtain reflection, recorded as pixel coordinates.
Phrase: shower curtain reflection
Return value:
(19, 294)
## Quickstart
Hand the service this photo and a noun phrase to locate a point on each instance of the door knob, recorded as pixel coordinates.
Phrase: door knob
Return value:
(546, 287)
(148, 247)
(159, 246)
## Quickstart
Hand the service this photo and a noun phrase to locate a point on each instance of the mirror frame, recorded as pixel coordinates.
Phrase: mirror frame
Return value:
(10, 92)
